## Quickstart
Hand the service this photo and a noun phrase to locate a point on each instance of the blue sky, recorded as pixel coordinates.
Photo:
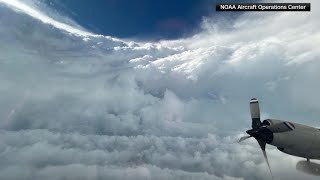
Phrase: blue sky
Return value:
(143, 18)
(156, 19)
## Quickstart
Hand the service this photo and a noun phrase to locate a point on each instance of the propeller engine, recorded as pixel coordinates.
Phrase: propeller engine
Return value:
(259, 131)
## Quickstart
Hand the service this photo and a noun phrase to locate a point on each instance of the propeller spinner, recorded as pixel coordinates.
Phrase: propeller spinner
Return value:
(261, 133)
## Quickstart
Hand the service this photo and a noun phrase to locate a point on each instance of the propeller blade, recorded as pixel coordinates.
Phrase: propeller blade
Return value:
(263, 148)
(261, 133)
(244, 138)
(255, 113)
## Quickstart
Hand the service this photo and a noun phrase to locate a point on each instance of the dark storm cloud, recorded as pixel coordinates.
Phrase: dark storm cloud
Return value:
(85, 106)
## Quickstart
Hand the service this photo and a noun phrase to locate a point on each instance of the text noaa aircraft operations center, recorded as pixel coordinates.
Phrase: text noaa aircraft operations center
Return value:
(264, 7)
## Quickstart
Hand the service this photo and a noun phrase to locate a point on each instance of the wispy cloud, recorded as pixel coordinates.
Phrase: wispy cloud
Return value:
(20, 6)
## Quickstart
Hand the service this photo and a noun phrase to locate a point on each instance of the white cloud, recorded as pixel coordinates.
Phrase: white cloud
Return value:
(166, 110)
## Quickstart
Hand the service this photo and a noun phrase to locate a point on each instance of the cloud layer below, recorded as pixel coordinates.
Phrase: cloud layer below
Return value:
(75, 105)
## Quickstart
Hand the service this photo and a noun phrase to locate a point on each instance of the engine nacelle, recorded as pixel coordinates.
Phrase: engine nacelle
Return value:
(270, 122)
(278, 126)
